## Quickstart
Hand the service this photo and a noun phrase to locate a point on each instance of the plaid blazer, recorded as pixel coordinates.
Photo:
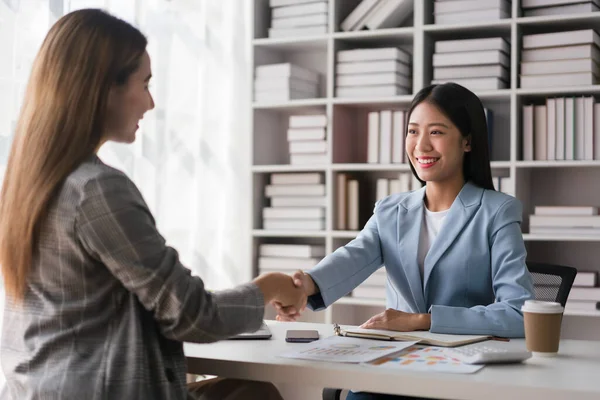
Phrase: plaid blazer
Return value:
(108, 303)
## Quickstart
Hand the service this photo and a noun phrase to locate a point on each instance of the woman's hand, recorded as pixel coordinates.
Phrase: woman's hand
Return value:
(395, 320)
(302, 281)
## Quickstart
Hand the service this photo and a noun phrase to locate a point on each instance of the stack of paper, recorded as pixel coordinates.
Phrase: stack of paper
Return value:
(285, 81)
(464, 11)
(291, 18)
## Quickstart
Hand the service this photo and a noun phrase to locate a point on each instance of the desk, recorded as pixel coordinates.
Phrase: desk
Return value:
(574, 374)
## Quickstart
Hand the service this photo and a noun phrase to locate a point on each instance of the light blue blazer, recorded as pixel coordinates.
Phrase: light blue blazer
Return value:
(475, 278)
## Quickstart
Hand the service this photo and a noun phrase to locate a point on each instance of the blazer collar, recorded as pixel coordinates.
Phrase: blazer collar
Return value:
(464, 206)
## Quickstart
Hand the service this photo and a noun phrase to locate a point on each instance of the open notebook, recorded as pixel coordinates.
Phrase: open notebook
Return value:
(423, 337)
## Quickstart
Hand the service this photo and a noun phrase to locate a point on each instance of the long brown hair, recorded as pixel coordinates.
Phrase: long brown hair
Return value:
(61, 123)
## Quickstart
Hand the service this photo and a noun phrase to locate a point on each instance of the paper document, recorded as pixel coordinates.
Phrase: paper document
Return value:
(346, 350)
(424, 359)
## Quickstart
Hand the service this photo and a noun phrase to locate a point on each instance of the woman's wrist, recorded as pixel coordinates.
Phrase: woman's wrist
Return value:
(423, 322)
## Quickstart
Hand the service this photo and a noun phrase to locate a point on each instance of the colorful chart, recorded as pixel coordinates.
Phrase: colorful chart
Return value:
(425, 358)
(381, 347)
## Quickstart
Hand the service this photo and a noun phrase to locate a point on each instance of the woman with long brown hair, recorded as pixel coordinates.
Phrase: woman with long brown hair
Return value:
(97, 304)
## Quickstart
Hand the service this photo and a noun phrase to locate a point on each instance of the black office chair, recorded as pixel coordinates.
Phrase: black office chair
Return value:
(550, 283)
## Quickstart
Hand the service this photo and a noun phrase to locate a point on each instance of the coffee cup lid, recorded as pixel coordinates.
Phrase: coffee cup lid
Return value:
(542, 307)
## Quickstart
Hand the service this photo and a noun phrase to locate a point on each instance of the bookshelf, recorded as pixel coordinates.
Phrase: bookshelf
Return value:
(534, 182)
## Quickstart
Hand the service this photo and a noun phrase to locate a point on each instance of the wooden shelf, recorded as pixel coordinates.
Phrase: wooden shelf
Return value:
(349, 300)
(582, 313)
(291, 104)
(287, 168)
(290, 233)
(559, 91)
(535, 237)
(557, 164)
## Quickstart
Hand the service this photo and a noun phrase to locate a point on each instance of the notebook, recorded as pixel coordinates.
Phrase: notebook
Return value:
(423, 337)
(262, 333)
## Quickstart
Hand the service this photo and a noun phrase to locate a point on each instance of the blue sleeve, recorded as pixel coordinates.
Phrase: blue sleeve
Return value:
(347, 267)
(511, 281)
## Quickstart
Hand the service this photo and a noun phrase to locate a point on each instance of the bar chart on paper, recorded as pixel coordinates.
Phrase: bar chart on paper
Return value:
(347, 350)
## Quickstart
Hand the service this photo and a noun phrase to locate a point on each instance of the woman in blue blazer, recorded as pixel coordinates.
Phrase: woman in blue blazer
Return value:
(453, 250)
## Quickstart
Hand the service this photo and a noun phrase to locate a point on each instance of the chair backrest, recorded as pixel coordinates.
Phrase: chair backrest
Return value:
(552, 282)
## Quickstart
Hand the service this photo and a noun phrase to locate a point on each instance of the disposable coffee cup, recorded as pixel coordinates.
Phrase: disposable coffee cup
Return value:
(542, 327)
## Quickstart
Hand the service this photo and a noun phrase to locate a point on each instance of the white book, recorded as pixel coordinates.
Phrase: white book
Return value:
(554, 80)
(560, 128)
(353, 20)
(551, 125)
(300, 31)
(383, 189)
(264, 84)
(476, 84)
(594, 138)
(353, 205)
(564, 221)
(546, 3)
(306, 178)
(566, 210)
(293, 212)
(373, 138)
(308, 121)
(398, 137)
(528, 133)
(291, 250)
(383, 78)
(295, 190)
(589, 125)
(341, 201)
(309, 159)
(485, 44)
(282, 95)
(308, 146)
(371, 91)
(440, 7)
(579, 129)
(562, 10)
(300, 9)
(578, 293)
(294, 224)
(395, 186)
(585, 36)
(415, 184)
(287, 263)
(586, 279)
(298, 201)
(281, 3)
(385, 137)
(573, 52)
(473, 16)
(300, 21)
(475, 71)
(405, 179)
(368, 292)
(372, 67)
(306, 134)
(569, 128)
(564, 231)
(376, 54)
(540, 135)
(389, 14)
(486, 57)
(289, 70)
(496, 182)
(560, 67)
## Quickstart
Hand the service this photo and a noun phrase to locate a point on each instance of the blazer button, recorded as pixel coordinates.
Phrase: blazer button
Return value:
(170, 374)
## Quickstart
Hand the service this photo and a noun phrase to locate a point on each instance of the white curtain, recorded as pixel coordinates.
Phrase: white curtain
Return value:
(191, 158)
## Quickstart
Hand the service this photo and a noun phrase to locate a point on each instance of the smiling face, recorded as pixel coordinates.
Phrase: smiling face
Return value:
(434, 145)
(128, 103)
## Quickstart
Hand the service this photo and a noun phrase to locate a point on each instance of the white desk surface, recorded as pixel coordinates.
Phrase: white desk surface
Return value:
(574, 374)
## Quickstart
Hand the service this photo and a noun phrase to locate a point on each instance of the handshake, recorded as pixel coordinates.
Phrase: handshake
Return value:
(288, 294)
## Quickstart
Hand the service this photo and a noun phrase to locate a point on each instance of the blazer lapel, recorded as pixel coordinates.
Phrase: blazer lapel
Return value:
(410, 217)
(461, 211)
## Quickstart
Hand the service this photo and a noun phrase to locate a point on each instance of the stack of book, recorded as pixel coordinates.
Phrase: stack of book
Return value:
(284, 81)
(386, 131)
(291, 18)
(306, 138)
(560, 59)
(373, 72)
(405, 182)
(378, 14)
(477, 64)
(373, 287)
(463, 11)
(347, 203)
(565, 128)
(297, 202)
(288, 258)
(585, 293)
(537, 8)
(572, 221)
